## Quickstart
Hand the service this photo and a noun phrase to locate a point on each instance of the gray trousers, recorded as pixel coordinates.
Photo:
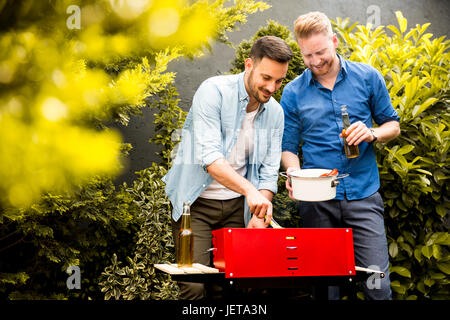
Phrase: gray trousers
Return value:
(365, 217)
(207, 215)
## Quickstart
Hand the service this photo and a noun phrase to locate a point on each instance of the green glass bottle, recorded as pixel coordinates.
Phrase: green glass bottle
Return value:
(351, 151)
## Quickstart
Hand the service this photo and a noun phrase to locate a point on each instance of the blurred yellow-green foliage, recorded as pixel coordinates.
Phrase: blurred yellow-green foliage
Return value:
(69, 67)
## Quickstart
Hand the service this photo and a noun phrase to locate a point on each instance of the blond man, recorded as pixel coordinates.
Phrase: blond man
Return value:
(312, 107)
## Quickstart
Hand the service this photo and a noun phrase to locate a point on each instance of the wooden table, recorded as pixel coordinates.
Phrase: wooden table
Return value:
(197, 273)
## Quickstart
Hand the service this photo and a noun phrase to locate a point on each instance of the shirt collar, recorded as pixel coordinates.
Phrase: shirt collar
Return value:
(243, 95)
(342, 63)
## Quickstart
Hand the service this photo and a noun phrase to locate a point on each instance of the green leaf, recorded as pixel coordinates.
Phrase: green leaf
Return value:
(437, 275)
(441, 210)
(401, 271)
(444, 267)
(418, 109)
(442, 238)
(409, 237)
(406, 149)
(421, 287)
(424, 171)
(397, 287)
(395, 30)
(405, 246)
(427, 251)
(437, 251)
(395, 284)
(393, 249)
(401, 205)
(429, 282)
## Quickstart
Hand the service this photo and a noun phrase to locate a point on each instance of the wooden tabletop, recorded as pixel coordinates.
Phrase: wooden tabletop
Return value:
(197, 268)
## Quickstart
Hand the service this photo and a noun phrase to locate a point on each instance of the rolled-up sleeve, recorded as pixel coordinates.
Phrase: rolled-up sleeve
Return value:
(291, 134)
(206, 124)
(380, 101)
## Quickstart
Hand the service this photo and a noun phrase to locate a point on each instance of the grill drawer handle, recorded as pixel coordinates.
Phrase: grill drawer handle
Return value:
(291, 248)
(292, 268)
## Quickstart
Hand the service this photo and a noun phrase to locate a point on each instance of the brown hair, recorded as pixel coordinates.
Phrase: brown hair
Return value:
(312, 23)
(271, 47)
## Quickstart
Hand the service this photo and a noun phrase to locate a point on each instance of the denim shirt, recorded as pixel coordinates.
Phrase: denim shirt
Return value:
(209, 133)
(314, 120)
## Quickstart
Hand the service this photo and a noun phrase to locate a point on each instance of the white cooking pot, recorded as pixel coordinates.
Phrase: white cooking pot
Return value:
(307, 185)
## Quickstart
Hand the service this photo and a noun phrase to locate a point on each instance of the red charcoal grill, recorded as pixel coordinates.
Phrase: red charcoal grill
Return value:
(286, 252)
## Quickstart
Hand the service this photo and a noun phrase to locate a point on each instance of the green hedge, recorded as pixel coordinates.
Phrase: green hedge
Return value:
(414, 168)
(83, 228)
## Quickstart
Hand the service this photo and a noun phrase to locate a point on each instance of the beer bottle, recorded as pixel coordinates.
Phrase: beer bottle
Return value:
(350, 151)
(185, 253)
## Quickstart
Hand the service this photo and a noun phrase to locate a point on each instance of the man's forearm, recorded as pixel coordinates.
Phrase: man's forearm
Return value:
(288, 159)
(223, 173)
(257, 202)
(267, 193)
(387, 131)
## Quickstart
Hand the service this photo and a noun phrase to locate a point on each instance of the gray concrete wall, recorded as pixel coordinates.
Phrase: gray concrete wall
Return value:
(191, 73)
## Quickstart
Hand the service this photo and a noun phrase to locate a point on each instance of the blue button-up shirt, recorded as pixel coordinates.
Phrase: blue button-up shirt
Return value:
(313, 120)
(210, 131)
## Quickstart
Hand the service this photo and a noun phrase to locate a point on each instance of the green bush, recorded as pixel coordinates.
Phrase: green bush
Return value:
(138, 279)
(169, 120)
(84, 229)
(414, 168)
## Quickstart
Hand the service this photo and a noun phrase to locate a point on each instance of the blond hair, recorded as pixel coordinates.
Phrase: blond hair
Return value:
(312, 23)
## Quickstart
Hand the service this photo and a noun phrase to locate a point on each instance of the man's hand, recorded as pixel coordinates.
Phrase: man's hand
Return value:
(257, 200)
(256, 222)
(288, 185)
(259, 205)
(357, 133)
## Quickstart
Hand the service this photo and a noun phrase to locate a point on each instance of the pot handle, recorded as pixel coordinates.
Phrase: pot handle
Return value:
(341, 176)
(335, 181)
(284, 174)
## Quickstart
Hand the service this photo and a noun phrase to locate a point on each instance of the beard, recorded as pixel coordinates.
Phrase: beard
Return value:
(324, 67)
(260, 94)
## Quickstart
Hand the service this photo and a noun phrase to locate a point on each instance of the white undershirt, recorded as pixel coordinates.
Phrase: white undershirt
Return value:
(238, 159)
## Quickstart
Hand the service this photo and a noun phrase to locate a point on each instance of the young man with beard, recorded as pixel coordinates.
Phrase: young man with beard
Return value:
(312, 106)
(229, 155)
